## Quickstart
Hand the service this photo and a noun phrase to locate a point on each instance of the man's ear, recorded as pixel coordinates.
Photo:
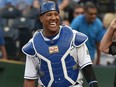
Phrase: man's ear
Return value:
(41, 19)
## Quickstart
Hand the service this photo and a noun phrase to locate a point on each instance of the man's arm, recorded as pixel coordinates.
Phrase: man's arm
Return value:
(31, 71)
(85, 64)
(90, 76)
(4, 53)
(64, 4)
(107, 39)
(29, 83)
(98, 54)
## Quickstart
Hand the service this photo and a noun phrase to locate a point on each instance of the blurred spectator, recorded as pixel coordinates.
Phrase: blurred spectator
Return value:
(65, 21)
(18, 2)
(2, 45)
(63, 4)
(108, 43)
(90, 25)
(36, 4)
(35, 7)
(9, 12)
(21, 4)
(107, 19)
(33, 11)
(73, 6)
(78, 10)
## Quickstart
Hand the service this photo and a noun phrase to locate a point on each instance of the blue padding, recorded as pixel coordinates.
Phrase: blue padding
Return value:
(80, 39)
(28, 49)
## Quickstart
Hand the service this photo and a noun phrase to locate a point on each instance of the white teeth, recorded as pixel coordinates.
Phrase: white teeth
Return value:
(53, 24)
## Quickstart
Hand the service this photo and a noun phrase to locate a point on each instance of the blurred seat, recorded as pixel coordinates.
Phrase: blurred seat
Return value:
(23, 23)
(3, 22)
(11, 33)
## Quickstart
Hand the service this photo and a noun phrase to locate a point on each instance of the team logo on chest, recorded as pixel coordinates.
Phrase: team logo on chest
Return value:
(53, 49)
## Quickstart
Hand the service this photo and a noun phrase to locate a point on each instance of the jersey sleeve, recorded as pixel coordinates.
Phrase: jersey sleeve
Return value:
(83, 56)
(31, 67)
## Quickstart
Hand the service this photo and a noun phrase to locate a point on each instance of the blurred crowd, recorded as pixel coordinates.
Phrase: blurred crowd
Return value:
(19, 19)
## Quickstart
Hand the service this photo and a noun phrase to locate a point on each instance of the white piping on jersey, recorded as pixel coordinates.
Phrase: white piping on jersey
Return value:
(48, 63)
(49, 68)
(64, 67)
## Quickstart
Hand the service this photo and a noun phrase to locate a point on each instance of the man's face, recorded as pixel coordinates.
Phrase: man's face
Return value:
(91, 14)
(50, 21)
(78, 11)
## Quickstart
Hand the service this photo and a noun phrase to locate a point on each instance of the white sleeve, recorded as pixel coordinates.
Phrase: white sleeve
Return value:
(83, 56)
(31, 68)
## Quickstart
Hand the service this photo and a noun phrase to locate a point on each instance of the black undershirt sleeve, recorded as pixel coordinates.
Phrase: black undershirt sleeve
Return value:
(112, 48)
(90, 76)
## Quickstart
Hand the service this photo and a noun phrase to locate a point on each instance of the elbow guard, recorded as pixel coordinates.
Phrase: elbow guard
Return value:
(90, 76)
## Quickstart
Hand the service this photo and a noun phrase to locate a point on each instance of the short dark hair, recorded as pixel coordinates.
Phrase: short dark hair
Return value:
(89, 5)
(78, 6)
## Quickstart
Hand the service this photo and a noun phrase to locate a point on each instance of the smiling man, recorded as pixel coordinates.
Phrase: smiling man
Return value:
(56, 54)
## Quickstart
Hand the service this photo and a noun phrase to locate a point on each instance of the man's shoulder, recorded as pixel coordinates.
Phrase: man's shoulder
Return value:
(28, 48)
(65, 27)
(80, 38)
(80, 17)
(98, 21)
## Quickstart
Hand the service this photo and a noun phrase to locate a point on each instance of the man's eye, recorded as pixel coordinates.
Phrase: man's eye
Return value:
(48, 14)
(56, 14)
